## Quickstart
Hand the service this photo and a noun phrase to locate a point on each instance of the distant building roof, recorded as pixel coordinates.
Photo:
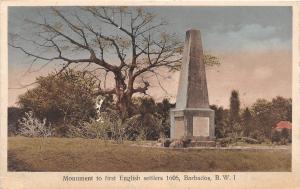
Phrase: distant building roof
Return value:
(283, 124)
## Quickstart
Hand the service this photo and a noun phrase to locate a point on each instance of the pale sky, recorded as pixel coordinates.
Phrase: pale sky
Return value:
(252, 43)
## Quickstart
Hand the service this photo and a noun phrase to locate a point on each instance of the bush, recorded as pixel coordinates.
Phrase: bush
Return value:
(97, 129)
(63, 99)
(143, 127)
(249, 140)
(163, 112)
(285, 133)
(33, 127)
(276, 137)
(108, 126)
(146, 124)
(165, 142)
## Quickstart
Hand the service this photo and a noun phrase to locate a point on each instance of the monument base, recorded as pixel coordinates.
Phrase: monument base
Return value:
(196, 124)
(203, 143)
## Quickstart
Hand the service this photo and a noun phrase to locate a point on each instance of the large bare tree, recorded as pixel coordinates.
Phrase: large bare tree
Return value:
(126, 43)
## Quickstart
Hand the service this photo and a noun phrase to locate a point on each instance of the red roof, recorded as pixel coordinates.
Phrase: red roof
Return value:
(283, 124)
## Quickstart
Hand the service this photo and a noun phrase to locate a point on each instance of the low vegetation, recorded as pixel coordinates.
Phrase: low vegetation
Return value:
(77, 154)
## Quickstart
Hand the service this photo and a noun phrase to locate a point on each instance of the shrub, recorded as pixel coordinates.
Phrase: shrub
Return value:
(285, 133)
(283, 141)
(103, 128)
(165, 142)
(224, 142)
(276, 136)
(163, 112)
(143, 127)
(108, 126)
(249, 140)
(64, 98)
(146, 124)
(33, 127)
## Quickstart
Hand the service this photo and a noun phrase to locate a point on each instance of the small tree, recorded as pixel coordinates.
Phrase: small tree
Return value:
(234, 114)
(263, 117)
(282, 109)
(234, 106)
(267, 113)
(221, 121)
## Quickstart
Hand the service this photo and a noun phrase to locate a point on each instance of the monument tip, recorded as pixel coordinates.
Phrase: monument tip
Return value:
(193, 30)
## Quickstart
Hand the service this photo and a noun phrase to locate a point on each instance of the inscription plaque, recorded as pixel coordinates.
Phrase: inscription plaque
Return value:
(200, 126)
(179, 127)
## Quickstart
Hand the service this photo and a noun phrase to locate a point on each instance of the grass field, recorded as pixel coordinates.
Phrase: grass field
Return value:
(65, 154)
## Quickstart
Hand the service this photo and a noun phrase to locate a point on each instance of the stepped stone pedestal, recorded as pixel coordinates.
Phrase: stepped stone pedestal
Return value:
(192, 118)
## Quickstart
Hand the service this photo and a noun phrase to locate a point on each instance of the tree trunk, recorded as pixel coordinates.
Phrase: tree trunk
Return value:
(125, 106)
(124, 95)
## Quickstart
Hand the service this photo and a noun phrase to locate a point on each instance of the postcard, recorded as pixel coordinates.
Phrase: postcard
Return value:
(150, 94)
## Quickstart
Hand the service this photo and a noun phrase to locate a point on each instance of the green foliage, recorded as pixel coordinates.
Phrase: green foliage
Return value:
(264, 121)
(285, 133)
(268, 113)
(65, 98)
(149, 122)
(282, 109)
(145, 124)
(221, 119)
(108, 126)
(255, 122)
(67, 101)
(263, 115)
(234, 115)
(281, 137)
(247, 122)
(163, 112)
(13, 115)
(276, 136)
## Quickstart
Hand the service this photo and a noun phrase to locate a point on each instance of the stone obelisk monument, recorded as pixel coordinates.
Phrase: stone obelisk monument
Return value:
(192, 118)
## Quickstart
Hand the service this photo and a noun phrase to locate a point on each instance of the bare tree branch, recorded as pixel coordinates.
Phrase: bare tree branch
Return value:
(131, 35)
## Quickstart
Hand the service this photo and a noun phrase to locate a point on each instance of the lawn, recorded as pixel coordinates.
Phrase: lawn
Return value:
(91, 155)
